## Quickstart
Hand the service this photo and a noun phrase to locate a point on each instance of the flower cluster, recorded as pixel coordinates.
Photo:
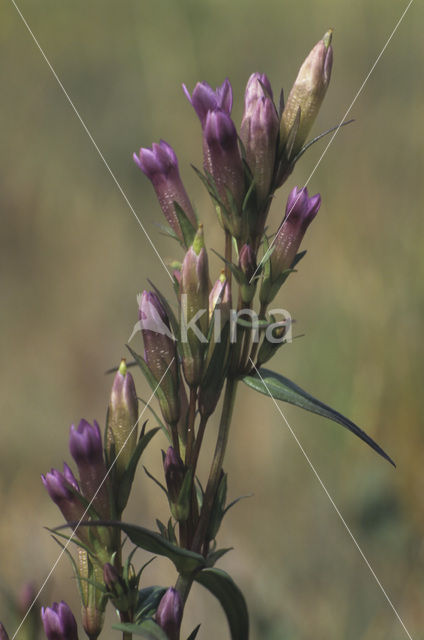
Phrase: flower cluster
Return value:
(189, 358)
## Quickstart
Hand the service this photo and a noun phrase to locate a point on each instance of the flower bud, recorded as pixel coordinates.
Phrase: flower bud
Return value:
(169, 613)
(223, 161)
(123, 597)
(59, 622)
(160, 165)
(204, 99)
(85, 445)
(59, 487)
(121, 420)
(3, 633)
(307, 93)
(300, 211)
(195, 303)
(175, 473)
(160, 352)
(259, 132)
(93, 599)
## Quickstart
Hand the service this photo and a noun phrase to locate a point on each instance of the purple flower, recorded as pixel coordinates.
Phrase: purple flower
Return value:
(59, 622)
(169, 613)
(59, 487)
(174, 473)
(259, 132)
(300, 211)
(204, 99)
(223, 161)
(160, 165)
(85, 445)
(160, 352)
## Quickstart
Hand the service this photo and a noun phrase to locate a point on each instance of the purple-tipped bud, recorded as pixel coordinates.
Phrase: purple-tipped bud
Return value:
(59, 487)
(204, 99)
(300, 211)
(85, 445)
(308, 92)
(195, 303)
(59, 622)
(223, 161)
(3, 633)
(160, 165)
(122, 420)
(259, 132)
(169, 614)
(174, 474)
(160, 352)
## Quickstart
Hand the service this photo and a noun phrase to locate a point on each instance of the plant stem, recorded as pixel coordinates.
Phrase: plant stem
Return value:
(217, 462)
(190, 425)
(228, 256)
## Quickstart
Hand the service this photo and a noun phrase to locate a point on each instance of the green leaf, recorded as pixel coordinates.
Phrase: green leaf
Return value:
(185, 561)
(146, 629)
(222, 586)
(128, 476)
(278, 387)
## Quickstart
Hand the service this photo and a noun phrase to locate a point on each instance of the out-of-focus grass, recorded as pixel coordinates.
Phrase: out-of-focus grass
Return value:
(73, 258)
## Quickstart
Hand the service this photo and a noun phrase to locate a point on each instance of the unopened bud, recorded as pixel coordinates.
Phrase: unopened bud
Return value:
(160, 352)
(259, 132)
(300, 211)
(59, 622)
(247, 263)
(160, 165)
(169, 613)
(194, 302)
(3, 633)
(307, 93)
(122, 420)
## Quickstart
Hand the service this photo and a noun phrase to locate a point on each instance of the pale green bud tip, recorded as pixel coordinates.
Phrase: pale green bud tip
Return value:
(199, 241)
(222, 277)
(327, 38)
(123, 368)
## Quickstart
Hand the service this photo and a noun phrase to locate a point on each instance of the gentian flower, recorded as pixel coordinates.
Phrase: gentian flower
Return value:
(59, 622)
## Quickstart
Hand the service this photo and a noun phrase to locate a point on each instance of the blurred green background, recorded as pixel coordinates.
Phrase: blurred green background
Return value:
(73, 259)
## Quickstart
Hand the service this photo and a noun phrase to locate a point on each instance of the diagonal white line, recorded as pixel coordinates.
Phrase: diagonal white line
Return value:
(315, 472)
(88, 506)
(338, 127)
(84, 126)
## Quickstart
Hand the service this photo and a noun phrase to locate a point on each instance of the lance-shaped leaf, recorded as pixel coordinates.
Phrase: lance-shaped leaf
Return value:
(278, 387)
(185, 561)
(222, 586)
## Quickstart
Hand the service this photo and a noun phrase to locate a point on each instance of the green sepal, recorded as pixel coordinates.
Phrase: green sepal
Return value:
(156, 416)
(278, 387)
(155, 480)
(148, 602)
(181, 508)
(218, 508)
(213, 557)
(231, 599)
(321, 135)
(146, 629)
(154, 384)
(165, 230)
(127, 478)
(187, 228)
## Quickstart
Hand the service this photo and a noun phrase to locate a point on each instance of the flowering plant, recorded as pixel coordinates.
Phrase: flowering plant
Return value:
(191, 357)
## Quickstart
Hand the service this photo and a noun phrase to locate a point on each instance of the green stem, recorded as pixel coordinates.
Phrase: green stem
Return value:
(190, 425)
(217, 462)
